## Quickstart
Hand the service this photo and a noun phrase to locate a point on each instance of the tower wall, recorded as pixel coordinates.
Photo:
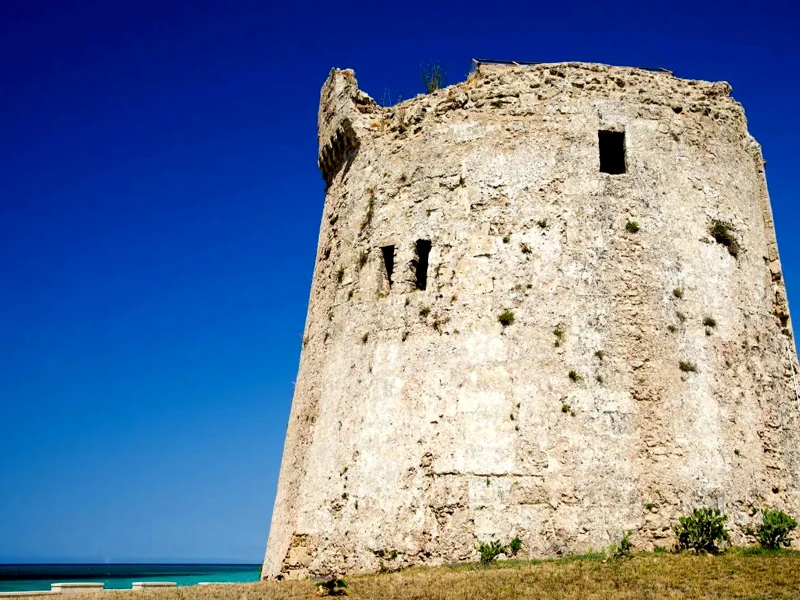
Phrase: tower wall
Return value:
(421, 425)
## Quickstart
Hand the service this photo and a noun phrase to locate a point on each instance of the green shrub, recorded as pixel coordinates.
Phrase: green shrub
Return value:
(687, 366)
(677, 292)
(710, 322)
(515, 546)
(722, 232)
(424, 311)
(574, 376)
(702, 530)
(506, 239)
(565, 408)
(632, 227)
(525, 248)
(364, 338)
(600, 354)
(489, 552)
(362, 259)
(775, 529)
(333, 587)
(506, 318)
(623, 549)
(542, 223)
(340, 275)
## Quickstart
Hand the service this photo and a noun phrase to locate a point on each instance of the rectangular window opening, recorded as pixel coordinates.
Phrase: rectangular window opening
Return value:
(388, 262)
(612, 152)
(423, 250)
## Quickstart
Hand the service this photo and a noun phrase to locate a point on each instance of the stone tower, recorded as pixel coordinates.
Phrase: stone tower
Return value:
(618, 220)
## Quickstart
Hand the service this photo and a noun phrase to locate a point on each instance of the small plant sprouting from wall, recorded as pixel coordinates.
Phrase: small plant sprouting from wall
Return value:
(525, 248)
(506, 239)
(710, 322)
(723, 233)
(439, 323)
(424, 311)
(687, 366)
(542, 223)
(433, 77)
(506, 318)
(370, 210)
(600, 354)
(388, 554)
(575, 377)
(681, 316)
(350, 294)
(515, 546)
(632, 226)
(559, 331)
(678, 293)
(672, 328)
(599, 379)
(365, 338)
(497, 103)
(565, 408)
(404, 337)
(362, 259)
(340, 275)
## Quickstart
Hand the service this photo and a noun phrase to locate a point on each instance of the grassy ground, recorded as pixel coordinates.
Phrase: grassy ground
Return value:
(735, 574)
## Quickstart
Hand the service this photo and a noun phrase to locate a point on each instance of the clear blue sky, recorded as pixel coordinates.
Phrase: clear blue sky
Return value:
(159, 208)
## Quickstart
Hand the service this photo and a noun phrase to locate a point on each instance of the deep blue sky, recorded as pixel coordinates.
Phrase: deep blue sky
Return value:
(159, 207)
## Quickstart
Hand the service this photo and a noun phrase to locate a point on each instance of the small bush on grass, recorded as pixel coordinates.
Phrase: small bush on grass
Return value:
(489, 552)
(333, 587)
(623, 549)
(702, 531)
(774, 531)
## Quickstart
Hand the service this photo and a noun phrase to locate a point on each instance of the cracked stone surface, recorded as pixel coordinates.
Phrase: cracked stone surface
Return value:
(421, 425)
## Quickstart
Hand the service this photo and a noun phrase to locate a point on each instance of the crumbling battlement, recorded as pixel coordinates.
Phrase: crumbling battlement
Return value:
(547, 303)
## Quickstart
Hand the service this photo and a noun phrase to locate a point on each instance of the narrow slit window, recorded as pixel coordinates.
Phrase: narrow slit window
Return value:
(388, 262)
(612, 152)
(423, 251)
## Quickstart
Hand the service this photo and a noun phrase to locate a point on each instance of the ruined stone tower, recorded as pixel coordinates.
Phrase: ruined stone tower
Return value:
(618, 220)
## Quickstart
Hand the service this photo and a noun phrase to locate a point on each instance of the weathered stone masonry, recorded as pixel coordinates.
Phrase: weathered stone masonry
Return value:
(421, 425)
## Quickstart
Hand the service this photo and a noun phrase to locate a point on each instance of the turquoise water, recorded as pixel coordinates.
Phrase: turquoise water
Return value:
(23, 578)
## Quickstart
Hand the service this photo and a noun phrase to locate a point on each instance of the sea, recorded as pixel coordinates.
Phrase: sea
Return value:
(33, 577)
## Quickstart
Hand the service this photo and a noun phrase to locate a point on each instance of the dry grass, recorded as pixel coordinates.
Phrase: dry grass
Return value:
(735, 574)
